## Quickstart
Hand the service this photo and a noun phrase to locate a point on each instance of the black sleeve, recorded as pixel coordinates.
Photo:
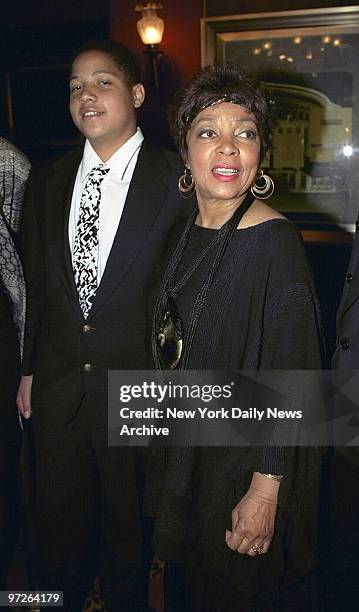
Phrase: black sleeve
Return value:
(291, 330)
(290, 342)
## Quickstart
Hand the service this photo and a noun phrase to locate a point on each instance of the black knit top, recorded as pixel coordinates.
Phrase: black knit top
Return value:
(260, 313)
(261, 310)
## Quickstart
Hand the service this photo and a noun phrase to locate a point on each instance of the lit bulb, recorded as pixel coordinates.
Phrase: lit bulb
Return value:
(347, 150)
(152, 35)
(297, 40)
(150, 27)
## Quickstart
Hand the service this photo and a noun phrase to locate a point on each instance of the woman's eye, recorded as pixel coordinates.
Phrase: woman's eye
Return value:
(207, 134)
(75, 88)
(104, 82)
(252, 134)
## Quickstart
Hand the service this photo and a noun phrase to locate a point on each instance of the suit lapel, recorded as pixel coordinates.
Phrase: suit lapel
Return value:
(351, 291)
(59, 195)
(146, 195)
(350, 296)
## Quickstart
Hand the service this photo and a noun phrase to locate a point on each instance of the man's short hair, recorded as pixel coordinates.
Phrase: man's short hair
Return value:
(123, 57)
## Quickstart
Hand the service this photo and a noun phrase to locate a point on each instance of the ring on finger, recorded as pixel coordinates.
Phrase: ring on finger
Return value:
(257, 548)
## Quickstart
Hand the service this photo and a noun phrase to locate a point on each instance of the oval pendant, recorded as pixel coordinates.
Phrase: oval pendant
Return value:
(170, 337)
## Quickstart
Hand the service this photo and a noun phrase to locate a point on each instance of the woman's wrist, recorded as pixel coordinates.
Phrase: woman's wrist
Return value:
(265, 488)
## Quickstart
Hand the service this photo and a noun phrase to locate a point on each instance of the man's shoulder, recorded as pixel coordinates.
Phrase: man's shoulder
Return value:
(351, 285)
(44, 169)
(158, 156)
(68, 160)
(172, 158)
(354, 259)
(167, 166)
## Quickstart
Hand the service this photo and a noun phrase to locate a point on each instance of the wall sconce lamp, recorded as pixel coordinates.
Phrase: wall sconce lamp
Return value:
(150, 29)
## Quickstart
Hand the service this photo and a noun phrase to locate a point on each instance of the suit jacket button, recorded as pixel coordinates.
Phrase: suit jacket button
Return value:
(349, 277)
(87, 328)
(344, 344)
(88, 367)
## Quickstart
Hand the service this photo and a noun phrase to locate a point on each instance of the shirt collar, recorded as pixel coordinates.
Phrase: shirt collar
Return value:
(118, 162)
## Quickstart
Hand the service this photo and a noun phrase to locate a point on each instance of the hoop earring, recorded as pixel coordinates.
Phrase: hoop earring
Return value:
(186, 185)
(263, 186)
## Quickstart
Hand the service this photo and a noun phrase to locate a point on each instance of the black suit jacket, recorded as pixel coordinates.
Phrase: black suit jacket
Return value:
(346, 360)
(57, 343)
(346, 355)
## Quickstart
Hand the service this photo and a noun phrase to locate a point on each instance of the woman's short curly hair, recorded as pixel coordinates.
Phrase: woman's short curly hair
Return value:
(213, 85)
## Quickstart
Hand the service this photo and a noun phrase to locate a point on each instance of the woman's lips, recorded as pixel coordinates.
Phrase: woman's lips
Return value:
(225, 173)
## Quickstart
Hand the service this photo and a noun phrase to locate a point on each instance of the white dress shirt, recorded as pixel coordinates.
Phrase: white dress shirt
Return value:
(114, 190)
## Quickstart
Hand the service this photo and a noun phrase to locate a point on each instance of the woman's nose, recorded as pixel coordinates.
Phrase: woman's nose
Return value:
(228, 146)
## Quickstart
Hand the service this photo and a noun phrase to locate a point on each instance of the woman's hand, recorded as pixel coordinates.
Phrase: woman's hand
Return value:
(23, 398)
(253, 518)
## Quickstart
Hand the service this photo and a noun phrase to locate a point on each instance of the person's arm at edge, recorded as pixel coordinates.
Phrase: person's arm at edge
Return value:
(33, 260)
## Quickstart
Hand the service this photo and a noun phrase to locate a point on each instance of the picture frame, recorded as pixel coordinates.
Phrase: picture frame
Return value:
(308, 61)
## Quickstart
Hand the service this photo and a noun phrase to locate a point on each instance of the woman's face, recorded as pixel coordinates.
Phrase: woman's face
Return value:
(223, 152)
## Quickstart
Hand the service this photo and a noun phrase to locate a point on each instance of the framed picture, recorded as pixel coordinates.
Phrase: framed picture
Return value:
(309, 61)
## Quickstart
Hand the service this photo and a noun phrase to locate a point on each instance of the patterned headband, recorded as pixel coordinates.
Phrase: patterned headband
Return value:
(226, 98)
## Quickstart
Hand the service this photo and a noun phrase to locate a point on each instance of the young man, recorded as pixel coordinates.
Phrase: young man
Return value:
(95, 225)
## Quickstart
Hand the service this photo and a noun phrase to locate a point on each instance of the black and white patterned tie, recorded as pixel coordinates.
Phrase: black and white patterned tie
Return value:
(85, 251)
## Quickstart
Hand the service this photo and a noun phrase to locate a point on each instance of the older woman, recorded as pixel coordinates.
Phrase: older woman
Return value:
(237, 294)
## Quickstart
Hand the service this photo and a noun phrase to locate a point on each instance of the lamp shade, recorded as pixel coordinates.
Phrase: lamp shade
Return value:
(150, 27)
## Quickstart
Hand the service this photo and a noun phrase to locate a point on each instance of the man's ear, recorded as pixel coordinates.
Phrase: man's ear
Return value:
(138, 95)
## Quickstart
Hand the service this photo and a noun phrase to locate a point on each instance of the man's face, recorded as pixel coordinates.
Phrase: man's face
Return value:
(102, 104)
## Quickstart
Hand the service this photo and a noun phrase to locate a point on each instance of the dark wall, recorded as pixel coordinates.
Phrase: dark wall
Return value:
(44, 12)
(34, 64)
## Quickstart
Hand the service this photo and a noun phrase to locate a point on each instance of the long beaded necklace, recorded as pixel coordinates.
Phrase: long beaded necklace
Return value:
(170, 346)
